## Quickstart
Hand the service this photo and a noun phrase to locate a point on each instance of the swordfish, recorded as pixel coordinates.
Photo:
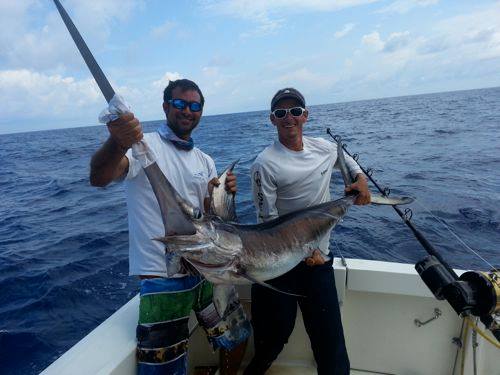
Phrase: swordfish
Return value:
(223, 251)
(226, 252)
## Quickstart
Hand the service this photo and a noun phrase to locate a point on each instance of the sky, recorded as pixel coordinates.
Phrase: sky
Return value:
(240, 52)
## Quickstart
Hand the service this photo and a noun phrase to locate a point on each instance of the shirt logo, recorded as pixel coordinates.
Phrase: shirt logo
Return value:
(260, 196)
(199, 174)
(323, 173)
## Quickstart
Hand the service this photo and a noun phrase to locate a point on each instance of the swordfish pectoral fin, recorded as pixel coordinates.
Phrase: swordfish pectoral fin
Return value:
(181, 240)
(188, 243)
(243, 274)
(391, 201)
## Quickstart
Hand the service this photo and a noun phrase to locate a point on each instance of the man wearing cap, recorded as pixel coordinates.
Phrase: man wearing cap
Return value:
(293, 173)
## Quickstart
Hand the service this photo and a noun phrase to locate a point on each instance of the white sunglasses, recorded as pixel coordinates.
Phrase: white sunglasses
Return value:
(295, 112)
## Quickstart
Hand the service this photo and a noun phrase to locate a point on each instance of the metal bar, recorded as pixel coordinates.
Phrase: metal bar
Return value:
(437, 314)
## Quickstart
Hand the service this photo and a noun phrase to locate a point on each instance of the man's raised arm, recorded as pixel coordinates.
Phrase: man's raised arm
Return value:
(109, 163)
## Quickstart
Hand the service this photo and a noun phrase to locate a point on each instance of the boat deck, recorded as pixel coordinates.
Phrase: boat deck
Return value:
(300, 369)
(304, 370)
(380, 303)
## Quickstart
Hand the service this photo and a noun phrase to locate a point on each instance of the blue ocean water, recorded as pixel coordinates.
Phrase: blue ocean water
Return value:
(63, 243)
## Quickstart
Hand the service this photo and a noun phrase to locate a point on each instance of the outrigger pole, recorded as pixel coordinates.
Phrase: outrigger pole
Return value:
(473, 293)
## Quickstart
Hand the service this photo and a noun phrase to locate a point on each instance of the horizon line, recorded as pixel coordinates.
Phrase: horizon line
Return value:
(262, 110)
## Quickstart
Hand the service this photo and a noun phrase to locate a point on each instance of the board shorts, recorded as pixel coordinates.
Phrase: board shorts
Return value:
(163, 332)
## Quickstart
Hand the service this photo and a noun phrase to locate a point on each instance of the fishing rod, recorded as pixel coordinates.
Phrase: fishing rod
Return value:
(473, 293)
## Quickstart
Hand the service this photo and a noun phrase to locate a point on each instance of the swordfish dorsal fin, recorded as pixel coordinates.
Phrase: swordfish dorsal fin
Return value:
(222, 203)
(175, 220)
(348, 180)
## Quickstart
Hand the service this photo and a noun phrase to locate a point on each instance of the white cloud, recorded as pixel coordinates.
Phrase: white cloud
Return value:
(163, 81)
(219, 60)
(394, 42)
(40, 68)
(472, 36)
(97, 17)
(270, 15)
(305, 79)
(215, 81)
(28, 97)
(481, 35)
(458, 52)
(210, 71)
(48, 94)
(265, 26)
(345, 30)
(397, 41)
(163, 30)
(244, 8)
(31, 38)
(404, 6)
(373, 41)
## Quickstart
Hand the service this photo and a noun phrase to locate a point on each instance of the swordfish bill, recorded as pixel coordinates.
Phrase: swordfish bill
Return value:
(94, 68)
(174, 212)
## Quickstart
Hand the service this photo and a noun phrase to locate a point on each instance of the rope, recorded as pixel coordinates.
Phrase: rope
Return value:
(459, 346)
(464, 347)
(482, 333)
(474, 348)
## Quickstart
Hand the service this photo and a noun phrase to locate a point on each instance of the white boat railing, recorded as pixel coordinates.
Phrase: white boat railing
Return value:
(380, 303)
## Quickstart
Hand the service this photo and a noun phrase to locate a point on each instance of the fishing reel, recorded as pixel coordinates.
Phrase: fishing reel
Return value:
(473, 293)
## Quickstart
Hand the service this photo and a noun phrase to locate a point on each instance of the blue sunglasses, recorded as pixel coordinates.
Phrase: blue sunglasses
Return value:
(181, 104)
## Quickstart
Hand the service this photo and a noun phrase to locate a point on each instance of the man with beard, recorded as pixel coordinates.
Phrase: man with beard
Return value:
(291, 174)
(168, 292)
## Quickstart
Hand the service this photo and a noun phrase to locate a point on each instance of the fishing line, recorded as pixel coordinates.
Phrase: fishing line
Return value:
(463, 293)
(344, 262)
(407, 215)
(467, 247)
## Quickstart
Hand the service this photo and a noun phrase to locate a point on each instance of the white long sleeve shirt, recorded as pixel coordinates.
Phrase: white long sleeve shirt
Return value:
(284, 180)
